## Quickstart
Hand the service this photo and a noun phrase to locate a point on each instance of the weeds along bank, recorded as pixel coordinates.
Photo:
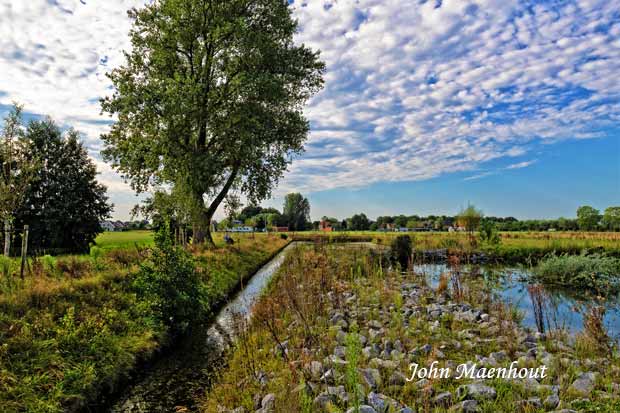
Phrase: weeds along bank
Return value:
(76, 326)
(338, 332)
(513, 247)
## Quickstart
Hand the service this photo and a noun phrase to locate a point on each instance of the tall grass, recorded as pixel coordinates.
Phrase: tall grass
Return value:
(72, 329)
(596, 273)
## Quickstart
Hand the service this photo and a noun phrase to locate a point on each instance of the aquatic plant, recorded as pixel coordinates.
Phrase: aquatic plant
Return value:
(597, 273)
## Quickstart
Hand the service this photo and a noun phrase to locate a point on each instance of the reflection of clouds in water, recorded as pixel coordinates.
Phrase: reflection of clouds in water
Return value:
(566, 308)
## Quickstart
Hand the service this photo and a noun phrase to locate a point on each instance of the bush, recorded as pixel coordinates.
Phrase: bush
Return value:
(283, 236)
(489, 234)
(593, 272)
(73, 267)
(170, 286)
(402, 250)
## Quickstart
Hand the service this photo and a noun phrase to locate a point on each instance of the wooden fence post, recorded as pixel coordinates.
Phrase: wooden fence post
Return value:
(24, 250)
(7, 237)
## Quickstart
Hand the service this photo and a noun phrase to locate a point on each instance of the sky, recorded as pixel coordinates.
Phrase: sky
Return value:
(513, 106)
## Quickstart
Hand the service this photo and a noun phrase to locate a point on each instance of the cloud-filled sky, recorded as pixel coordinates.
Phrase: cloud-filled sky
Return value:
(419, 95)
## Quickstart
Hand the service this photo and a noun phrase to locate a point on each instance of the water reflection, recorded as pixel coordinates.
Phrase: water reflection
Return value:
(550, 306)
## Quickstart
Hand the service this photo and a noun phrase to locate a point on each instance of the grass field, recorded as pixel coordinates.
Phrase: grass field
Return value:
(112, 240)
(515, 247)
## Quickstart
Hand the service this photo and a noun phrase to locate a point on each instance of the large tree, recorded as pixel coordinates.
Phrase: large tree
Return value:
(588, 218)
(64, 203)
(611, 218)
(211, 98)
(296, 211)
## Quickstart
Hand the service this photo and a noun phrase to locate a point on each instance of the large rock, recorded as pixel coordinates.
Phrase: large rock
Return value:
(584, 384)
(476, 391)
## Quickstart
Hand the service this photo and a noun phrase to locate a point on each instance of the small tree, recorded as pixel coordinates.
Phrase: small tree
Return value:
(489, 234)
(469, 218)
(17, 170)
(297, 211)
(588, 218)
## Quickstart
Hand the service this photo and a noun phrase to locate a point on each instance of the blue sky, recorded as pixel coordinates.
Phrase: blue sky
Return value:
(512, 105)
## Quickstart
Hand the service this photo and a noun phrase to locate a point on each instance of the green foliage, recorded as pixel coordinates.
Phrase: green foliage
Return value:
(402, 250)
(353, 353)
(170, 285)
(489, 234)
(64, 204)
(588, 218)
(611, 218)
(230, 94)
(296, 211)
(358, 222)
(469, 218)
(95, 255)
(593, 272)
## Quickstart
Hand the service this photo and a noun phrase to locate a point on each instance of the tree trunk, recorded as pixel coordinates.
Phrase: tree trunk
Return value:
(7, 237)
(203, 233)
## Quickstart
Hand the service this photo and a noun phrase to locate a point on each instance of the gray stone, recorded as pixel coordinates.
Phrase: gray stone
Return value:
(323, 402)
(397, 379)
(340, 352)
(533, 402)
(377, 401)
(268, 403)
(443, 399)
(476, 391)
(364, 408)
(372, 378)
(316, 370)
(374, 324)
(584, 384)
(329, 377)
(551, 402)
(466, 406)
(339, 392)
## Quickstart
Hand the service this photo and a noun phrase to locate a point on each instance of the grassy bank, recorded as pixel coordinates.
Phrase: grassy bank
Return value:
(337, 332)
(75, 327)
(514, 247)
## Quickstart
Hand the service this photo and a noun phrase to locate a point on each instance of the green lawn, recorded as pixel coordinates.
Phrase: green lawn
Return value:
(112, 240)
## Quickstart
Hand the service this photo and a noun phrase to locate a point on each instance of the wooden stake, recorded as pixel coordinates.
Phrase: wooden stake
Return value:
(24, 251)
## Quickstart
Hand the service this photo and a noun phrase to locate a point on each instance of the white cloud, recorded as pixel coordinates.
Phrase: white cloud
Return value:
(412, 92)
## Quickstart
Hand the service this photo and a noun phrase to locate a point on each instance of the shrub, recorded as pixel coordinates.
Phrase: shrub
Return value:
(95, 255)
(73, 267)
(402, 250)
(489, 234)
(170, 286)
(593, 272)
(283, 236)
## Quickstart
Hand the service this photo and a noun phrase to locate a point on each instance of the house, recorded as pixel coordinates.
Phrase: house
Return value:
(325, 226)
(242, 229)
(119, 226)
(279, 229)
(108, 226)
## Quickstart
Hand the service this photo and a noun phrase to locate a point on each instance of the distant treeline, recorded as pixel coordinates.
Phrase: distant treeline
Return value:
(588, 219)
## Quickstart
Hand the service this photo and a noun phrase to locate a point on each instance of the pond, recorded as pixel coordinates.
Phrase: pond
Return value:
(564, 308)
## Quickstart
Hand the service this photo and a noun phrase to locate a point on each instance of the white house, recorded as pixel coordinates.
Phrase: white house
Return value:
(108, 226)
